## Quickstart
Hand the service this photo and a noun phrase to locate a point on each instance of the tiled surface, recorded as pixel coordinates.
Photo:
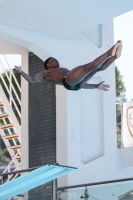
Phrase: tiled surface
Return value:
(42, 126)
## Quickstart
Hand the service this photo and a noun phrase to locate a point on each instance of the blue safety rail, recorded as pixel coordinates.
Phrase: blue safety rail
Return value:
(33, 179)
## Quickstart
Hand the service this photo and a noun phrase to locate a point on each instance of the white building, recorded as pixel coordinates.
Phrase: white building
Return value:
(75, 32)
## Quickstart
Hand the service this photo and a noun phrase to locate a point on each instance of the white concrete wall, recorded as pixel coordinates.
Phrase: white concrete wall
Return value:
(86, 130)
(59, 19)
(24, 116)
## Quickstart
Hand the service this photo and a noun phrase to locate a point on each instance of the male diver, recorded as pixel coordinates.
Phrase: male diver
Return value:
(78, 77)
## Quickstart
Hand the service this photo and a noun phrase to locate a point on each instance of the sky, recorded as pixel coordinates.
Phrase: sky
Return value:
(123, 30)
(12, 59)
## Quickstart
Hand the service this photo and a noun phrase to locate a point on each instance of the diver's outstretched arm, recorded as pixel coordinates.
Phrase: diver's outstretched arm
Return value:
(37, 78)
(100, 86)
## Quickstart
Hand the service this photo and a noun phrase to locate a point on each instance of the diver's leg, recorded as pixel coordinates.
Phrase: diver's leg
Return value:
(79, 73)
(104, 66)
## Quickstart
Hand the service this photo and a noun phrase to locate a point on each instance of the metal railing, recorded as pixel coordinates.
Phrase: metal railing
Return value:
(122, 188)
(95, 183)
(4, 176)
(19, 171)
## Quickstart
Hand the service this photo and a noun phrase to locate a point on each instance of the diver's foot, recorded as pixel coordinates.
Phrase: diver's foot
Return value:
(115, 47)
(118, 51)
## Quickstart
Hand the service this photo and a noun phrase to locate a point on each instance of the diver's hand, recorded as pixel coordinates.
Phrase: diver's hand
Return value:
(103, 87)
(16, 69)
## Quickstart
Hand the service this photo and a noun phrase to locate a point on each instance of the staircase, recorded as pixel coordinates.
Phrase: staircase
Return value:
(10, 132)
(10, 129)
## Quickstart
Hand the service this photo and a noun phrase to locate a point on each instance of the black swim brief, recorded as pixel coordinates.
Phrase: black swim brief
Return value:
(69, 87)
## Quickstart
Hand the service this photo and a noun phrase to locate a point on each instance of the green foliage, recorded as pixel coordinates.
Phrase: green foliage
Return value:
(120, 98)
(120, 88)
(4, 155)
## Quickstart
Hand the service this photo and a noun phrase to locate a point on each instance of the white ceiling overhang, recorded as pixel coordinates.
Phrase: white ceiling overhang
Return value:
(60, 19)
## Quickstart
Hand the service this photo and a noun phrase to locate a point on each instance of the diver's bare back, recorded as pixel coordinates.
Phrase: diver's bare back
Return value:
(55, 75)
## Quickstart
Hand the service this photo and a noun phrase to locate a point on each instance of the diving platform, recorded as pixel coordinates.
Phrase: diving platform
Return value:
(33, 179)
